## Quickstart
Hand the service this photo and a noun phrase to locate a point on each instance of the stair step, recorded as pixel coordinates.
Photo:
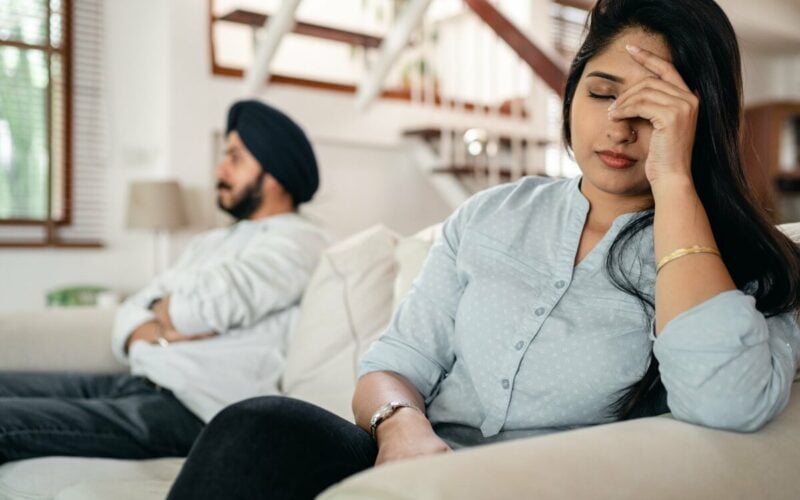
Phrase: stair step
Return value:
(430, 134)
(503, 173)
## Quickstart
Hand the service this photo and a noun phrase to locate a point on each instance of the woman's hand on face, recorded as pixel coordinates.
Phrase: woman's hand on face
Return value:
(665, 101)
(407, 434)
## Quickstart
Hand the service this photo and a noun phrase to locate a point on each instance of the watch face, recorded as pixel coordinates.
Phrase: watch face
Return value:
(386, 410)
(382, 413)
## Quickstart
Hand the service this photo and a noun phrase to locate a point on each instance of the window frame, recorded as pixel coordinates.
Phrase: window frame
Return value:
(65, 51)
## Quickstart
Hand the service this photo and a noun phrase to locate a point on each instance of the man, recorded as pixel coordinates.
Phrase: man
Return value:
(209, 332)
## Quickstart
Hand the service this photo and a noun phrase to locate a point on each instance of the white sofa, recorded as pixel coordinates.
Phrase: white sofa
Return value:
(347, 304)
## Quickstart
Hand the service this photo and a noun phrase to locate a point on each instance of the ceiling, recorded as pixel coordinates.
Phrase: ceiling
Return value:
(772, 25)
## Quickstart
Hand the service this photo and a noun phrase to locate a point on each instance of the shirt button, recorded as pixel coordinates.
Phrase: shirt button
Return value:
(561, 284)
(539, 311)
(519, 345)
(505, 383)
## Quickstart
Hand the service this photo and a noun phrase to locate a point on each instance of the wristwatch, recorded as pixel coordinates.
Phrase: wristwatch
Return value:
(386, 411)
(161, 339)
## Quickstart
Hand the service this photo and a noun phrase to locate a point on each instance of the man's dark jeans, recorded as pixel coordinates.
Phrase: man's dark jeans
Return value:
(87, 415)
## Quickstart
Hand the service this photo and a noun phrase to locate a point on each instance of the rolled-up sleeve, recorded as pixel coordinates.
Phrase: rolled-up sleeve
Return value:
(418, 344)
(724, 365)
(269, 275)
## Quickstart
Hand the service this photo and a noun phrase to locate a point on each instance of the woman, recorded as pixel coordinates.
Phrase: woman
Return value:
(652, 283)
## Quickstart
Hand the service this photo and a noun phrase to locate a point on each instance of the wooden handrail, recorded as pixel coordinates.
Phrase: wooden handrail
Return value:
(577, 4)
(541, 64)
(257, 19)
(52, 244)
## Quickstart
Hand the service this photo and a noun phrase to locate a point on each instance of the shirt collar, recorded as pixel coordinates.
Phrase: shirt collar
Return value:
(581, 203)
(287, 217)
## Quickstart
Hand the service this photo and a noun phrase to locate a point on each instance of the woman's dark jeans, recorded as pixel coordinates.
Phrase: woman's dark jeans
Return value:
(272, 447)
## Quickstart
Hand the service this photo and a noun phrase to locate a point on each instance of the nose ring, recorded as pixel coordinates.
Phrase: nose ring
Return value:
(633, 134)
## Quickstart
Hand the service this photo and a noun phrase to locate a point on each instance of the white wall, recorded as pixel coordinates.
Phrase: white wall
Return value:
(786, 76)
(770, 75)
(383, 185)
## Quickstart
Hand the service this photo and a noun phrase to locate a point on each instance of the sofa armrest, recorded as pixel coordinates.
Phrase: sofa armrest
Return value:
(654, 458)
(58, 339)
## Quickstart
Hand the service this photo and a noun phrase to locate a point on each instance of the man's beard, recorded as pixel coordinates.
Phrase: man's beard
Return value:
(248, 202)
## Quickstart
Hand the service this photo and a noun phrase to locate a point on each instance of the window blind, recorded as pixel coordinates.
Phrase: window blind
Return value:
(89, 172)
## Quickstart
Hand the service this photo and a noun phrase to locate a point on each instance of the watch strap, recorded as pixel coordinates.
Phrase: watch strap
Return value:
(386, 411)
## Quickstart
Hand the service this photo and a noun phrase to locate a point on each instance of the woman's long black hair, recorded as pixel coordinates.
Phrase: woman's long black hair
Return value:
(760, 259)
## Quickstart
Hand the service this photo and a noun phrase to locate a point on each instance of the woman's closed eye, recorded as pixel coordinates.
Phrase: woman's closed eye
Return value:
(601, 96)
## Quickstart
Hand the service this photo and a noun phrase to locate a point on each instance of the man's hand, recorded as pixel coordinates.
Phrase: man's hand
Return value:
(407, 434)
(152, 330)
(172, 335)
(161, 310)
(147, 332)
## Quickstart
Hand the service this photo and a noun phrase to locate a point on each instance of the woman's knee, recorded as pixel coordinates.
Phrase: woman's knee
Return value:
(264, 413)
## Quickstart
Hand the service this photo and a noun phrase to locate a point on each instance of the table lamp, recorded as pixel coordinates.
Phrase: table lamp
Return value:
(157, 206)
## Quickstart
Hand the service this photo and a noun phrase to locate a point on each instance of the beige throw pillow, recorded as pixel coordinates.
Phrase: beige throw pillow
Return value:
(411, 254)
(346, 305)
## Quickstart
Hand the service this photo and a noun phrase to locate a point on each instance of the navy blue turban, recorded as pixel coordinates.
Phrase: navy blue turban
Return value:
(279, 145)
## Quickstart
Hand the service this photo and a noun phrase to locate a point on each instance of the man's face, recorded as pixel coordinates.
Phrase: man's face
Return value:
(239, 180)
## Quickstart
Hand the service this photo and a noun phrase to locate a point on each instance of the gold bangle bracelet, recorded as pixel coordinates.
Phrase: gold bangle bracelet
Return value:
(682, 252)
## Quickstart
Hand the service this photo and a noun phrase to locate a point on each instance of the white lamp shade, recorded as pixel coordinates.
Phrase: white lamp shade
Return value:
(156, 205)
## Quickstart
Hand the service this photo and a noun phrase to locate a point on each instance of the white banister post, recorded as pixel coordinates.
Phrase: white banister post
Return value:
(393, 44)
(278, 25)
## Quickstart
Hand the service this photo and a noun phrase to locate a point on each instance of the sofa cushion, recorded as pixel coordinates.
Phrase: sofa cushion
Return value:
(656, 458)
(147, 489)
(410, 255)
(58, 338)
(346, 305)
(44, 478)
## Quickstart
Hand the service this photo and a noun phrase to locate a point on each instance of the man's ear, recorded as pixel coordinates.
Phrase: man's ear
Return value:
(273, 188)
(270, 184)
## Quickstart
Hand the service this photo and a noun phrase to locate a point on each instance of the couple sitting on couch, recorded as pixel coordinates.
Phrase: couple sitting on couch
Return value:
(651, 283)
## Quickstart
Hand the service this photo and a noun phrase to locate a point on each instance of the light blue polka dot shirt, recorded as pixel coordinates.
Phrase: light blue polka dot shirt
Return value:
(505, 337)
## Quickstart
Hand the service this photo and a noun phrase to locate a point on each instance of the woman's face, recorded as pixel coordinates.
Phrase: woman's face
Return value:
(601, 145)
